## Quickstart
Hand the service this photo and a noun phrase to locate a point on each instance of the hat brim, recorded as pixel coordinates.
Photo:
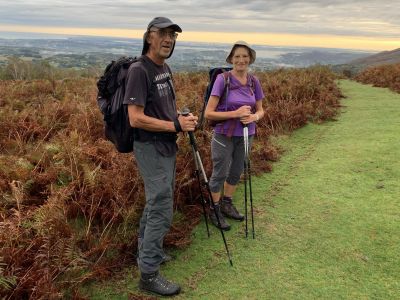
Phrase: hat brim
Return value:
(252, 52)
(174, 26)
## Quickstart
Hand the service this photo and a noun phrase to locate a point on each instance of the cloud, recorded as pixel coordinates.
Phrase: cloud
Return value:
(337, 17)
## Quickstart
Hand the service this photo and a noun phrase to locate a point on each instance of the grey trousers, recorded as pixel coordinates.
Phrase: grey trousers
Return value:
(158, 174)
(227, 155)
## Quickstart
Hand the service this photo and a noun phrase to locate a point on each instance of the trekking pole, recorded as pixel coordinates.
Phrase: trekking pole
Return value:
(199, 163)
(245, 143)
(197, 172)
(251, 197)
(247, 177)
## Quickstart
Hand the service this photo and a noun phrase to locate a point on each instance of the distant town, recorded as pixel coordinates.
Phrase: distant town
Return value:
(84, 51)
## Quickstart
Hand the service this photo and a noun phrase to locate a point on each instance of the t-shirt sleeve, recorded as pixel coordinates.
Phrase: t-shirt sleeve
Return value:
(259, 94)
(136, 89)
(218, 87)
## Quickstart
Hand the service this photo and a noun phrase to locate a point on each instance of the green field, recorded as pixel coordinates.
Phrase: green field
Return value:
(327, 218)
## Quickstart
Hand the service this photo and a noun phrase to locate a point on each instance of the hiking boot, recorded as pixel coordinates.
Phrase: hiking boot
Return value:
(229, 210)
(224, 225)
(155, 283)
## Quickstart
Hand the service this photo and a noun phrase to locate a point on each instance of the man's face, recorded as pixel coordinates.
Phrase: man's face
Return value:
(161, 41)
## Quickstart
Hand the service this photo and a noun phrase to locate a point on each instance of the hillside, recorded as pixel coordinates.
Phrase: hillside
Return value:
(356, 66)
(381, 58)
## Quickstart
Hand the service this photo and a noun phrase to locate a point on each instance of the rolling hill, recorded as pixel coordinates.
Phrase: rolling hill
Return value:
(354, 67)
(381, 58)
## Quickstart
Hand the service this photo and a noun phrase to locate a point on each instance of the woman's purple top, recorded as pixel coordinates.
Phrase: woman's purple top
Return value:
(238, 95)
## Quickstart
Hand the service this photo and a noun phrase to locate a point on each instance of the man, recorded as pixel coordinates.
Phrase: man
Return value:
(152, 111)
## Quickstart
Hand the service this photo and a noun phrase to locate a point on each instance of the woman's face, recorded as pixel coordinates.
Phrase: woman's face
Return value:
(241, 59)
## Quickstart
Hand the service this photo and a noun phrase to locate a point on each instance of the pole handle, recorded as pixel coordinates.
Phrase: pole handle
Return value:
(185, 112)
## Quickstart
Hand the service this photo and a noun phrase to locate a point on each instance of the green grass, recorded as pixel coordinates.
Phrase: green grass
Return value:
(327, 218)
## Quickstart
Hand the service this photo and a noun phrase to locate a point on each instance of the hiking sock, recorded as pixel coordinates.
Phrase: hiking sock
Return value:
(216, 205)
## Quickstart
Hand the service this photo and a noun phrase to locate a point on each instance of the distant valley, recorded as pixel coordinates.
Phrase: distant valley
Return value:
(84, 52)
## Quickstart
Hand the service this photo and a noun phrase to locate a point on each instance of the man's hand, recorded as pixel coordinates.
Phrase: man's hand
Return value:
(188, 123)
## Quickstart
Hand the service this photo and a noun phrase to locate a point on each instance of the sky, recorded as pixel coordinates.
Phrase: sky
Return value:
(357, 24)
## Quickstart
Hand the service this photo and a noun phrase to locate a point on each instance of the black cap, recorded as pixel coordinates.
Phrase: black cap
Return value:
(163, 22)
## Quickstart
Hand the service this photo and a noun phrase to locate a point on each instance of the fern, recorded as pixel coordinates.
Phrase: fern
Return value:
(6, 282)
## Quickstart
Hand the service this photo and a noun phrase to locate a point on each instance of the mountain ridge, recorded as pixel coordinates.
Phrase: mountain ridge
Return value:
(381, 58)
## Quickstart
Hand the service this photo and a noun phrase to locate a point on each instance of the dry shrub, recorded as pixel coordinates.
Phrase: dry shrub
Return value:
(297, 96)
(387, 76)
(70, 204)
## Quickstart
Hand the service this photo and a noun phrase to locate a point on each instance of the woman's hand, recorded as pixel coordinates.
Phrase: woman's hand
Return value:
(243, 111)
(249, 119)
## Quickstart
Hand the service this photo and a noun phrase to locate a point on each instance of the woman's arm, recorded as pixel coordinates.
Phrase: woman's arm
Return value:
(211, 113)
(258, 114)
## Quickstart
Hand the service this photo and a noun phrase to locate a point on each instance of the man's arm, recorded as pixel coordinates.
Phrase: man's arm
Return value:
(138, 119)
(212, 114)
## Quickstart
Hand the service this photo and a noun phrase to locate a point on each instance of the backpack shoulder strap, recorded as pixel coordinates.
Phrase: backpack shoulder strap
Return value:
(252, 83)
(124, 67)
(252, 80)
(170, 82)
(171, 86)
(226, 76)
(227, 83)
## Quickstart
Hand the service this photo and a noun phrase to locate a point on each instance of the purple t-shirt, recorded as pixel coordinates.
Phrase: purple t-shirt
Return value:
(238, 95)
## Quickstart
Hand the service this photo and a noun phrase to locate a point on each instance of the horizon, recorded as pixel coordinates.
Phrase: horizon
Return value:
(263, 51)
(359, 24)
(78, 51)
(196, 37)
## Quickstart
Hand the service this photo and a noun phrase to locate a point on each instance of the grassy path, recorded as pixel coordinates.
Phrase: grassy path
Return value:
(327, 217)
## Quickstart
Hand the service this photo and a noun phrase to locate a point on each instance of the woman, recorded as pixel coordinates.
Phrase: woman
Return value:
(231, 109)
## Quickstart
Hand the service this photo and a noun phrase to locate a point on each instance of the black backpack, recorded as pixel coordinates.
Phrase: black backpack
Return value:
(212, 75)
(111, 91)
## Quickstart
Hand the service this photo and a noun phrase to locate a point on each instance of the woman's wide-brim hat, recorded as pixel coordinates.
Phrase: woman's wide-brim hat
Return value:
(243, 44)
